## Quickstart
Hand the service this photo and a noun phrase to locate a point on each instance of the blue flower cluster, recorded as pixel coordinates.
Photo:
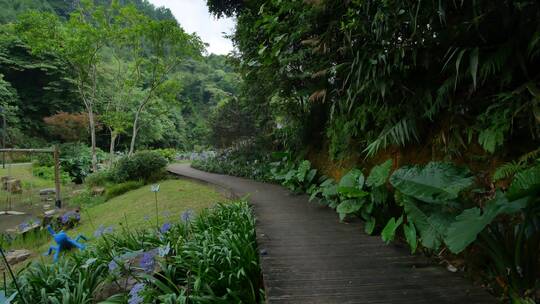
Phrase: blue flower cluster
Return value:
(134, 295)
(103, 230)
(70, 215)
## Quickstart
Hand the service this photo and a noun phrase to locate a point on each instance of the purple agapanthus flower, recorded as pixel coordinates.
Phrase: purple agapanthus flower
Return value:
(103, 230)
(113, 265)
(148, 262)
(66, 217)
(187, 215)
(24, 226)
(165, 227)
(134, 294)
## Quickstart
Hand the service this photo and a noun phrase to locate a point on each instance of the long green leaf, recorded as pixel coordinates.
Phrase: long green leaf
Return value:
(435, 183)
(472, 221)
(379, 174)
(389, 232)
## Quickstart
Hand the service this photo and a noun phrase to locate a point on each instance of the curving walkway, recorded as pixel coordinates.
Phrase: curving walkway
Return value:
(308, 256)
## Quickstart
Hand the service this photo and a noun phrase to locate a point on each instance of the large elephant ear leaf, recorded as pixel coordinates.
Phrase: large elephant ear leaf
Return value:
(437, 182)
(379, 174)
(351, 184)
(347, 207)
(525, 183)
(471, 221)
(431, 225)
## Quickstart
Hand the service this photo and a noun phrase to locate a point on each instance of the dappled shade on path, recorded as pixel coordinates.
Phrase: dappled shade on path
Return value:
(308, 256)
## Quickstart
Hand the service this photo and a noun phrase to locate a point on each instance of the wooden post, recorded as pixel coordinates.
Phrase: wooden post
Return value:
(58, 202)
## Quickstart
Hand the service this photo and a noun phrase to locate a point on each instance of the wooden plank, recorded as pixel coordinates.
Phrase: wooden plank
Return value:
(308, 256)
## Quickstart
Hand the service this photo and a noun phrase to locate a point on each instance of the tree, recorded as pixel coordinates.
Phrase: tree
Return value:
(68, 126)
(79, 43)
(156, 48)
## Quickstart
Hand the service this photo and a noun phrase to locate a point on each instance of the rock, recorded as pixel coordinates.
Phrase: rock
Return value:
(16, 256)
(451, 268)
(14, 186)
(47, 191)
(47, 206)
(50, 212)
(98, 191)
(4, 180)
(28, 227)
(77, 192)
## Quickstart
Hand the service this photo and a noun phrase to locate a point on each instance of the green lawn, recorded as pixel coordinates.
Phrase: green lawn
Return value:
(174, 197)
(137, 209)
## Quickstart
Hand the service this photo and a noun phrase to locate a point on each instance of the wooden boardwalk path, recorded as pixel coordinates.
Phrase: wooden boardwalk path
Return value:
(308, 256)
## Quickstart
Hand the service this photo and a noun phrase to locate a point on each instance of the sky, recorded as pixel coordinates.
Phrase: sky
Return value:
(193, 15)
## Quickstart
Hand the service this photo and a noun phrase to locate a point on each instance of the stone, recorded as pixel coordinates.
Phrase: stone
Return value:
(77, 192)
(4, 180)
(98, 191)
(47, 191)
(47, 206)
(16, 256)
(50, 212)
(14, 186)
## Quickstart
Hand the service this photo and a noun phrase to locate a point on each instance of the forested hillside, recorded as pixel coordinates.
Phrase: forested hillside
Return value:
(41, 94)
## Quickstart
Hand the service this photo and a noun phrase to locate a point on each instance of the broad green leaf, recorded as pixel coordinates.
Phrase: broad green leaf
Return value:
(410, 235)
(369, 225)
(379, 195)
(351, 184)
(389, 232)
(303, 170)
(348, 207)
(525, 183)
(379, 174)
(472, 221)
(437, 182)
(431, 226)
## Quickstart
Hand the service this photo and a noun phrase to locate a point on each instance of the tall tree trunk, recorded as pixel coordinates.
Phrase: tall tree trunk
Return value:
(114, 135)
(134, 133)
(92, 124)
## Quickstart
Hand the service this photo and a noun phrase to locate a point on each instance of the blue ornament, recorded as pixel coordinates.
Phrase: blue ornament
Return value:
(64, 242)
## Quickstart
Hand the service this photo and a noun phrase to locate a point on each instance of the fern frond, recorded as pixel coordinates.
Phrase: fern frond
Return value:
(508, 170)
(535, 154)
(400, 133)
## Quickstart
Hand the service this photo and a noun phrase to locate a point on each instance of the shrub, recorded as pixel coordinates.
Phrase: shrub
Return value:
(43, 160)
(168, 153)
(48, 174)
(146, 166)
(100, 178)
(119, 189)
(76, 159)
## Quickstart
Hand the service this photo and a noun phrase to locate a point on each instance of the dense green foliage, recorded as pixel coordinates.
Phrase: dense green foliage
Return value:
(370, 74)
(208, 259)
(145, 166)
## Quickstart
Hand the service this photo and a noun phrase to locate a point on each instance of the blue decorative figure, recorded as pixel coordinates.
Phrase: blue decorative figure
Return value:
(64, 242)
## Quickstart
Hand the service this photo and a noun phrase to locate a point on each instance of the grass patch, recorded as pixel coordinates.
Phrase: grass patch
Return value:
(136, 209)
